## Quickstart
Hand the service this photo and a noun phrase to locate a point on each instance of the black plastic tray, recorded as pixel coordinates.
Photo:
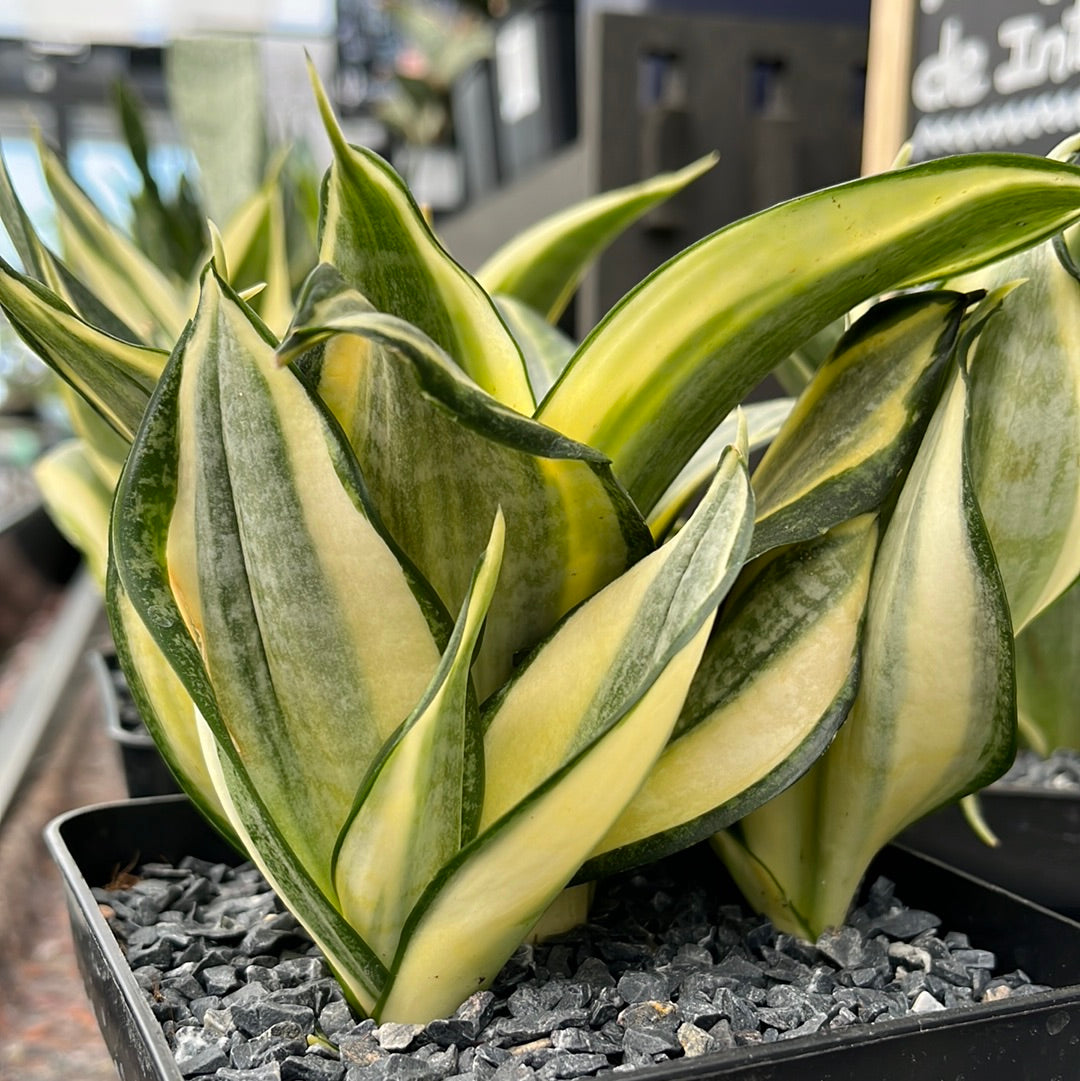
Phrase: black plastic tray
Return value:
(1027, 1038)
(1039, 853)
(145, 771)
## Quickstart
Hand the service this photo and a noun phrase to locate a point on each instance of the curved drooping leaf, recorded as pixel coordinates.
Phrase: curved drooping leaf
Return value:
(560, 768)
(1025, 407)
(117, 377)
(396, 842)
(440, 456)
(542, 266)
(935, 713)
(855, 428)
(775, 682)
(110, 264)
(681, 349)
(374, 234)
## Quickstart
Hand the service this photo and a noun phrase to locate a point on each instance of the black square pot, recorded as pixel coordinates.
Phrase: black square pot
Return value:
(1032, 1037)
(1039, 850)
(145, 771)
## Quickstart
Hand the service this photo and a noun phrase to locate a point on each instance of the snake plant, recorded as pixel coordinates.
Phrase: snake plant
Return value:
(142, 288)
(434, 612)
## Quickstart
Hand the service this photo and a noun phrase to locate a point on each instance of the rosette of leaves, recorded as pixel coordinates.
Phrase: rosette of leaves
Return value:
(419, 599)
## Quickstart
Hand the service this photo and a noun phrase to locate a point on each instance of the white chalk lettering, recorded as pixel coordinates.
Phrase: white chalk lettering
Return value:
(1038, 54)
(999, 125)
(956, 75)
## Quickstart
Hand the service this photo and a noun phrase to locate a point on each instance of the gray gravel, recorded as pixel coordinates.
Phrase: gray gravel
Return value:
(1059, 772)
(661, 972)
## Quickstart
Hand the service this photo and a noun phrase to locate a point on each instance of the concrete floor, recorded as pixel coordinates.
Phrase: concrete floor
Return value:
(47, 1027)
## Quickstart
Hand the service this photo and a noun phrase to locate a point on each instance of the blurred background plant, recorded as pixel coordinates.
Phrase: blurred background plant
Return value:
(140, 252)
(27, 389)
(169, 228)
(439, 42)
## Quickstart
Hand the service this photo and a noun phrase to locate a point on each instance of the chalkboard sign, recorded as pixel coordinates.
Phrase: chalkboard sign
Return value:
(956, 76)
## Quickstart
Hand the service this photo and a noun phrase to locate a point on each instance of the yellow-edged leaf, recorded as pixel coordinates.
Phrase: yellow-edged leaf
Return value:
(395, 843)
(542, 265)
(560, 768)
(110, 264)
(680, 350)
(375, 235)
(855, 428)
(313, 639)
(116, 376)
(774, 684)
(439, 456)
(1025, 406)
(934, 717)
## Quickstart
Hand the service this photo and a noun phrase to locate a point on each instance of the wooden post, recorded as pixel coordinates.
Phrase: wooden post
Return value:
(888, 76)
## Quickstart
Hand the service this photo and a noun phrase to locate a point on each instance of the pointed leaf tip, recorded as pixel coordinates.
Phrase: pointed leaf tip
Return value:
(326, 109)
(742, 434)
(498, 531)
(217, 248)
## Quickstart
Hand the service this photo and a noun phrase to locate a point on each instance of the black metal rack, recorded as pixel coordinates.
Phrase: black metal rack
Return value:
(781, 100)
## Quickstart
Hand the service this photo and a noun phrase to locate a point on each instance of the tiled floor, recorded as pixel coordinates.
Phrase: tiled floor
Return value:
(47, 1027)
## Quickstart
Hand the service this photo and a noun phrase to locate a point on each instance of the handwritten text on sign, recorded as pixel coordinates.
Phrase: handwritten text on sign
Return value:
(990, 77)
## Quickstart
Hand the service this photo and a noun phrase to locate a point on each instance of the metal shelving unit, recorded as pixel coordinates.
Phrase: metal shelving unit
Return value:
(781, 100)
